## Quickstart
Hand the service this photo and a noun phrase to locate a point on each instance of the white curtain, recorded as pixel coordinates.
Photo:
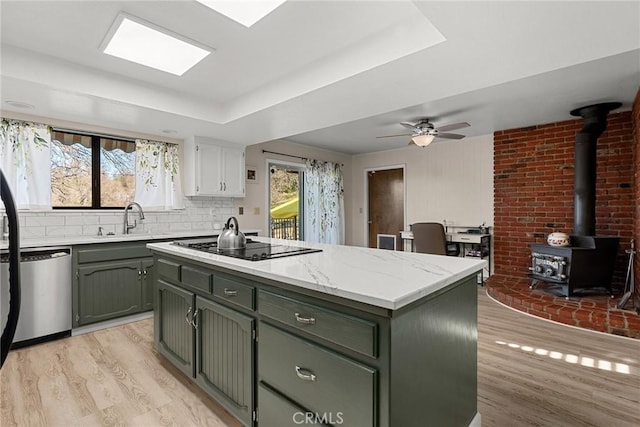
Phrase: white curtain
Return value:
(323, 202)
(158, 176)
(25, 158)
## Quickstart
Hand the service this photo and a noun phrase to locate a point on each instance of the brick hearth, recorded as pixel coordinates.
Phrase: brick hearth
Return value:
(596, 312)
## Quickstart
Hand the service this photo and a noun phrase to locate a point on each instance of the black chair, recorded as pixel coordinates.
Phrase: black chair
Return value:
(430, 238)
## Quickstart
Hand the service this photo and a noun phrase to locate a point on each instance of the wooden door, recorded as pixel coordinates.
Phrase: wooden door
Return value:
(386, 204)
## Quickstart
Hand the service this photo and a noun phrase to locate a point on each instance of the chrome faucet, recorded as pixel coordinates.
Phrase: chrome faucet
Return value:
(128, 226)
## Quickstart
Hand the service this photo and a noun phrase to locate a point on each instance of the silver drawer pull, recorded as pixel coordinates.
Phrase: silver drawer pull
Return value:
(230, 292)
(305, 320)
(300, 372)
(186, 317)
(194, 321)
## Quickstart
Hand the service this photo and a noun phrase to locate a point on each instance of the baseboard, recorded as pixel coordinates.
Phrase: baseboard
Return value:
(476, 421)
(111, 323)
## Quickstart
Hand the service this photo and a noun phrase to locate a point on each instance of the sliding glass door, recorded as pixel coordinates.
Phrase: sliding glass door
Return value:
(285, 200)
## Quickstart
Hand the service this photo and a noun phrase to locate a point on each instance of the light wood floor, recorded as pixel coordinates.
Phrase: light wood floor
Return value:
(530, 373)
(533, 372)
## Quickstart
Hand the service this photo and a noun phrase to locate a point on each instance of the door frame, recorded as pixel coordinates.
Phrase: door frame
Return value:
(365, 225)
(267, 187)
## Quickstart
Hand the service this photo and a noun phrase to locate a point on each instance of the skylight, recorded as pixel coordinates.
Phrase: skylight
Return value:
(137, 41)
(246, 12)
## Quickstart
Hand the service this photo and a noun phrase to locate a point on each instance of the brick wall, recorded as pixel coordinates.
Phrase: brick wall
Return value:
(636, 162)
(533, 185)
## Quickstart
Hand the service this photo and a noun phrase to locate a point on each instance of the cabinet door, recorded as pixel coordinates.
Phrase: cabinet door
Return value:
(107, 290)
(224, 357)
(147, 284)
(234, 169)
(173, 332)
(209, 174)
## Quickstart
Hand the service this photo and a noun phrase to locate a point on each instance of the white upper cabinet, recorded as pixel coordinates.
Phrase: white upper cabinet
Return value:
(213, 168)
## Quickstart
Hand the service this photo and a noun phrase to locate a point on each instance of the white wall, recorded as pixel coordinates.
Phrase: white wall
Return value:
(448, 180)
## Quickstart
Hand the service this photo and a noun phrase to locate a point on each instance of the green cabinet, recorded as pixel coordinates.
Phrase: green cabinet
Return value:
(275, 355)
(207, 341)
(324, 381)
(107, 290)
(147, 284)
(111, 280)
(224, 356)
(173, 329)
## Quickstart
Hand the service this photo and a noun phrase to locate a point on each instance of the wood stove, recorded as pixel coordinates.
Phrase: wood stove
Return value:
(589, 261)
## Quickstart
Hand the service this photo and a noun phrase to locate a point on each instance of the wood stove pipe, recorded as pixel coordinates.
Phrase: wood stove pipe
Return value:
(584, 181)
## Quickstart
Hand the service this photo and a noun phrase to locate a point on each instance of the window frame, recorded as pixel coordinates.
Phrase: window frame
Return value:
(95, 168)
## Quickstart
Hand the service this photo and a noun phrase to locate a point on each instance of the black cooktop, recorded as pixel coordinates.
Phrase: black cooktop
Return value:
(255, 251)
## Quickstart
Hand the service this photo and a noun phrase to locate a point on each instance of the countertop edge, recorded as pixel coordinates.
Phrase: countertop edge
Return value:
(43, 242)
(401, 301)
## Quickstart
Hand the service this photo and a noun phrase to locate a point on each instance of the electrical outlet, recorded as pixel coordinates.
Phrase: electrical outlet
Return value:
(256, 211)
(240, 210)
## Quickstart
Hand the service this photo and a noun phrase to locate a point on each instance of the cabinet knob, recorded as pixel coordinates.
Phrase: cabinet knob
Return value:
(305, 374)
(305, 320)
(230, 292)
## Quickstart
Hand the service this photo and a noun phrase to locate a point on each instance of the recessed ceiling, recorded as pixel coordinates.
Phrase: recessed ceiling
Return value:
(333, 74)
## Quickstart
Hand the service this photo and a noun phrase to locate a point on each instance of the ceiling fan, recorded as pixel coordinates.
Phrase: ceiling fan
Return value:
(424, 132)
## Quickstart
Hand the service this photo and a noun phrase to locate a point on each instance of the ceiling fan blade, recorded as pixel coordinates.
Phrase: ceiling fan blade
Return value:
(450, 135)
(408, 125)
(453, 126)
(393, 136)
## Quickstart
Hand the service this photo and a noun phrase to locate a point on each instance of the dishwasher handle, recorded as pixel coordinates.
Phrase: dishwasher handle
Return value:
(39, 254)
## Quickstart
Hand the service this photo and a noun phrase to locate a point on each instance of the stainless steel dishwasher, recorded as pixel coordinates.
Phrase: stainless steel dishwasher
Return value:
(45, 313)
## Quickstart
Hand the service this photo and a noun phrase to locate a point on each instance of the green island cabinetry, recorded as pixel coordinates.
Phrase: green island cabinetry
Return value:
(210, 342)
(277, 355)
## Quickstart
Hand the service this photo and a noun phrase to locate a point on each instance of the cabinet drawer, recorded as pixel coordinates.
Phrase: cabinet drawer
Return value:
(275, 410)
(196, 279)
(111, 252)
(168, 269)
(320, 380)
(233, 291)
(348, 331)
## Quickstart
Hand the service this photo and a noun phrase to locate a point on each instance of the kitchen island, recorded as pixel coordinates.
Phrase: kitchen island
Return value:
(347, 336)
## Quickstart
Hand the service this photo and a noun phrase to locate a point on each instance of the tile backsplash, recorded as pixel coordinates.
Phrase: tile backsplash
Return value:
(200, 213)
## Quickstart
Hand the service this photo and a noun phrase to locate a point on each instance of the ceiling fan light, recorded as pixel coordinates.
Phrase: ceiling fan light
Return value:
(423, 140)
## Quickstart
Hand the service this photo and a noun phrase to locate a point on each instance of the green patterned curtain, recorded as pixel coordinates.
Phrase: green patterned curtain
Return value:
(323, 202)
(25, 159)
(158, 183)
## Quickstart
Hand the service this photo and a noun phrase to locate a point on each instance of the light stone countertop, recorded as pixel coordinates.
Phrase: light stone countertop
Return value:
(83, 240)
(382, 278)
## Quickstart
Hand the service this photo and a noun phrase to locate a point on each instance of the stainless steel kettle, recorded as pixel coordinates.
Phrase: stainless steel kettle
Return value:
(231, 237)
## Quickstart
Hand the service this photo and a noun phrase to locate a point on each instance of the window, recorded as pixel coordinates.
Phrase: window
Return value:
(91, 171)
